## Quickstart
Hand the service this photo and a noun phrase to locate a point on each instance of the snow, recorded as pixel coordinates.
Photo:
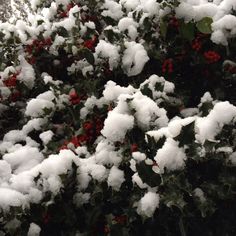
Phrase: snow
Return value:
(221, 12)
(109, 51)
(34, 124)
(148, 204)
(98, 172)
(127, 23)
(170, 156)
(34, 230)
(186, 11)
(46, 136)
(150, 6)
(129, 4)
(134, 59)
(11, 198)
(208, 127)
(116, 126)
(14, 136)
(147, 112)
(23, 158)
(115, 178)
(138, 156)
(5, 171)
(112, 91)
(23, 161)
(36, 106)
(232, 158)
(112, 10)
(106, 154)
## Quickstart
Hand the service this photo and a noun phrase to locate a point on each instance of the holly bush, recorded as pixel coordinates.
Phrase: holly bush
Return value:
(118, 118)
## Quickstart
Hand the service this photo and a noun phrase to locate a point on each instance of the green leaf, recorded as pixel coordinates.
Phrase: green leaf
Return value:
(147, 24)
(147, 175)
(153, 144)
(40, 22)
(159, 87)
(110, 35)
(87, 54)
(187, 30)
(163, 28)
(62, 32)
(146, 91)
(187, 134)
(210, 145)
(206, 107)
(204, 25)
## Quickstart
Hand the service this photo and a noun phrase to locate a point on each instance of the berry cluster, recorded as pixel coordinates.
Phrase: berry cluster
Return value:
(211, 56)
(11, 81)
(196, 45)
(90, 131)
(134, 147)
(38, 45)
(91, 43)
(174, 22)
(167, 66)
(74, 98)
(64, 13)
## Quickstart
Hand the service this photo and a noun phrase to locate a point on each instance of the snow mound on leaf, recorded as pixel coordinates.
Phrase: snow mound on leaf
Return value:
(34, 230)
(221, 12)
(115, 178)
(148, 204)
(208, 127)
(134, 59)
(11, 198)
(170, 156)
(36, 106)
(116, 126)
(23, 158)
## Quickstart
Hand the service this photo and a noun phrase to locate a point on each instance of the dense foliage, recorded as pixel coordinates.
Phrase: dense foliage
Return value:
(118, 118)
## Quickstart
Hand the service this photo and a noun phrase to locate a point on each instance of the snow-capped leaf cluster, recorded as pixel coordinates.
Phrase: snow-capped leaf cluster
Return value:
(91, 133)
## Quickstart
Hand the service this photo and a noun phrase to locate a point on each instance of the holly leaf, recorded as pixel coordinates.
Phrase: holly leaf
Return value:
(88, 55)
(187, 134)
(187, 30)
(205, 108)
(153, 145)
(146, 91)
(204, 25)
(163, 28)
(147, 175)
(210, 145)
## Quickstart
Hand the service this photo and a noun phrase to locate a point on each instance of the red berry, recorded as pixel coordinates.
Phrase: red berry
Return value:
(167, 66)
(211, 56)
(74, 98)
(11, 82)
(87, 126)
(134, 147)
